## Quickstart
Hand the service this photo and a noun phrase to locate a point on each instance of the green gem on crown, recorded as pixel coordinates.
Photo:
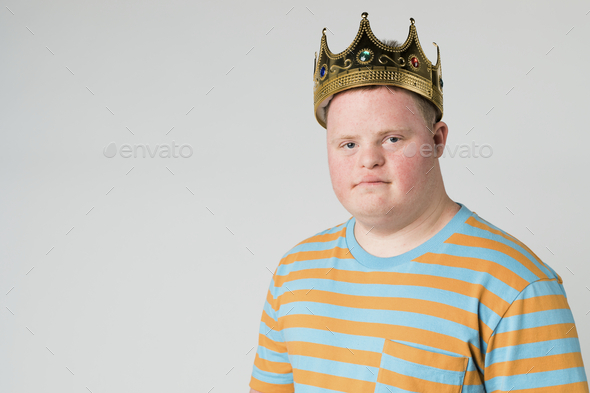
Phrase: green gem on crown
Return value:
(365, 55)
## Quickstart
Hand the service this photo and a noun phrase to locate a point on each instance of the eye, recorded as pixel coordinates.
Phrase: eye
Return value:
(393, 139)
(348, 145)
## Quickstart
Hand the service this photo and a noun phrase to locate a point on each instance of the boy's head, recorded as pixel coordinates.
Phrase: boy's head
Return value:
(381, 104)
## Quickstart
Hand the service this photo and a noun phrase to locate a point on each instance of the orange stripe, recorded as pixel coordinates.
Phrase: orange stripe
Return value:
(271, 345)
(261, 386)
(473, 378)
(535, 365)
(426, 307)
(321, 351)
(274, 303)
(268, 321)
(272, 367)
(533, 335)
(381, 330)
(327, 381)
(474, 241)
(476, 264)
(478, 224)
(337, 252)
(475, 223)
(326, 237)
(477, 291)
(425, 358)
(576, 387)
(536, 304)
(414, 384)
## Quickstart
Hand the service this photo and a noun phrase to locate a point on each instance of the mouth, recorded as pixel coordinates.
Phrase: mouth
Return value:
(372, 183)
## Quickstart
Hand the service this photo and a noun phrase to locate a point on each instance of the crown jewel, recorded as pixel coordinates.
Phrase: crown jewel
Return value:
(367, 61)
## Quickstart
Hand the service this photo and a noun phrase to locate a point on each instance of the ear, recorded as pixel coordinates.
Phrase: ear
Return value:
(439, 136)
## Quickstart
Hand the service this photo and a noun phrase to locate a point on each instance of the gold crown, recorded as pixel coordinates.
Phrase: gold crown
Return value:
(367, 61)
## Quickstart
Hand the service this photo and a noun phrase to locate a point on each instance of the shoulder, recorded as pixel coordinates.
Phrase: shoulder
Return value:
(495, 251)
(498, 269)
(321, 245)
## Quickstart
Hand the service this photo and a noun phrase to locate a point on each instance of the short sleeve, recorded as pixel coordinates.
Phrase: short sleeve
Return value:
(272, 371)
(535, 347)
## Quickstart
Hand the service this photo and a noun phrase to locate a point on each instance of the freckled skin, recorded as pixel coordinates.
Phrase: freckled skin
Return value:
(414, 186)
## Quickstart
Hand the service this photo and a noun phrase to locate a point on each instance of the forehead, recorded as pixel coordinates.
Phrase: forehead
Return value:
(372, 111)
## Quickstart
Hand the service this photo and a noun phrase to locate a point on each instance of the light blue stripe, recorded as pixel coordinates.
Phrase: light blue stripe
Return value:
(384, 290)
(491, 283)
(320, 246)
(537, 380)
(320, 263)
(265, 376)
(301, 388)
(365, 343)
(542, 288)
(420, 371)
(533, 350)
(272, 334)
(273, 356)
(473, 389)
(382, 388)
(270, 311)
(388, 317)
(489, 255)
(536, 319)
(335, 368)
(470, 365)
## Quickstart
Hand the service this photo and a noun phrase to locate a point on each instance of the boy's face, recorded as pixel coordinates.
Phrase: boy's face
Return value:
(374, 139)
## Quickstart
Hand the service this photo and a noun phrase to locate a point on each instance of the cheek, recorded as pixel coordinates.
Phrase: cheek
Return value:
(412, 170)
(340, 172)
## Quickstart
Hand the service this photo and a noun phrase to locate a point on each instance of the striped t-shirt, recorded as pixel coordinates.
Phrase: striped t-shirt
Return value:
(472, 309)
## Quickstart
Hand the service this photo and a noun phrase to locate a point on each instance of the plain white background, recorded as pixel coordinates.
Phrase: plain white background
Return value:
(149, 274)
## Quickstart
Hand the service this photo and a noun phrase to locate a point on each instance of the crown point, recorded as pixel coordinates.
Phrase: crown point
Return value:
(412, 20)
(324, 31)
(434, 43)
(364, 15)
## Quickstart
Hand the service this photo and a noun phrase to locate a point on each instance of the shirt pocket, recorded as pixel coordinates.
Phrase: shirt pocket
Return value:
(405, 368)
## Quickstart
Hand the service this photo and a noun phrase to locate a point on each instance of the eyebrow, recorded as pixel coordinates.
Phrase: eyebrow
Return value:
(379, 134)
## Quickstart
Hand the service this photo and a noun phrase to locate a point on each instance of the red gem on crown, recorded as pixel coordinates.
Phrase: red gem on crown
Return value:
(415, 62)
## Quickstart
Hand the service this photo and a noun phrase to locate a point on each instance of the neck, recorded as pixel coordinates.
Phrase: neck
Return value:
(388, 239)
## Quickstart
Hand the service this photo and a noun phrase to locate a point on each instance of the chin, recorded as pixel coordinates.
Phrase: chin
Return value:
(373, 212)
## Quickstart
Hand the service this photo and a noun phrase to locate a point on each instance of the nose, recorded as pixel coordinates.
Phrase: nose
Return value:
(371, 156)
